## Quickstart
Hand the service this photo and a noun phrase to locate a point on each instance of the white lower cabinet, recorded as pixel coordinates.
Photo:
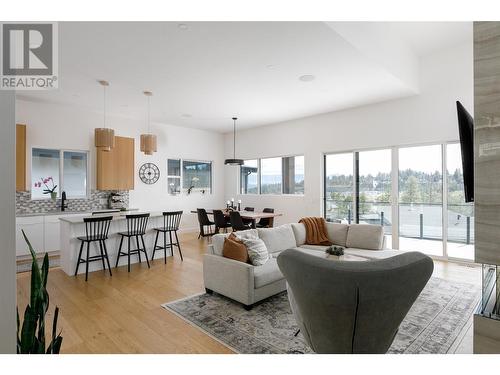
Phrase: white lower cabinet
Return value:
(33, 226)
(42, 231)
(52, 233)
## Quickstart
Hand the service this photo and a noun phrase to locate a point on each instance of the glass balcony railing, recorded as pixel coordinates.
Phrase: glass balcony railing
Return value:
(417, 221)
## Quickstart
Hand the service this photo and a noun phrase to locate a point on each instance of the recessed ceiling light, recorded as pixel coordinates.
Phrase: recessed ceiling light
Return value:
(307, 78)
(186, 115)
(183, 26)
(270, 66)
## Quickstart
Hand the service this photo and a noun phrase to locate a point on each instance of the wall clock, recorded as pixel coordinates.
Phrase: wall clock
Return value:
(149, 173)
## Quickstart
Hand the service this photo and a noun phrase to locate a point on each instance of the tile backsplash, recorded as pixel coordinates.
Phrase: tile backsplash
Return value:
(24, 204)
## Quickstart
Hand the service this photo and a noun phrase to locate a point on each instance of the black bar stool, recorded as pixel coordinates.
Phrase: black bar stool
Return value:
(96, 230)
(171, 222)
(136, 227)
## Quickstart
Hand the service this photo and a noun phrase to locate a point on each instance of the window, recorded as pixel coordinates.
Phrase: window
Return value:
(280, 175)
(271, 176)
(65, 170)
(174, 176)
(196, 176)
(249, 175)
(75, 173)
(45, 166)
(293, 175)
(339, 187)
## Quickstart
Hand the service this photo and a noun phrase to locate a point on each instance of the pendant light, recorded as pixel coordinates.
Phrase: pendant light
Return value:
(148, 140)
(234, 161)
(104, 137)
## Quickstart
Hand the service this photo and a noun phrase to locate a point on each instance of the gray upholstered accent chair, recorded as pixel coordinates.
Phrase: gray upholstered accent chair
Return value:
(350, 306)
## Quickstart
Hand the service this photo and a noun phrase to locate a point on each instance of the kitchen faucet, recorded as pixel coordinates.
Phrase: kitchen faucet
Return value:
(63, 200)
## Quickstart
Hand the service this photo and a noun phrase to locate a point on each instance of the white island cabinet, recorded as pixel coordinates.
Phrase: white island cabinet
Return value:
(73, 227)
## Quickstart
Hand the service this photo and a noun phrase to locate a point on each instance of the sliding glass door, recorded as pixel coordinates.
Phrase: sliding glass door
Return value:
(421, 203)
(374, 202)
(339, 188)
(421, 199)
(460, 215)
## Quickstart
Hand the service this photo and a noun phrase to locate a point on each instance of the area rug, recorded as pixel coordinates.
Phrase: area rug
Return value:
(432, 325)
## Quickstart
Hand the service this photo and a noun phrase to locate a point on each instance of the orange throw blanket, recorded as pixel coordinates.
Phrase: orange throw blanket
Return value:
(315, 231)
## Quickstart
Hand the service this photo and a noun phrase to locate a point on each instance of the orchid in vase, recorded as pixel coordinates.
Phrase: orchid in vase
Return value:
(47, 190)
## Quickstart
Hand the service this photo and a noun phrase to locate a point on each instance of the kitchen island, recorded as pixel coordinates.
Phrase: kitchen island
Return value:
(73, 227)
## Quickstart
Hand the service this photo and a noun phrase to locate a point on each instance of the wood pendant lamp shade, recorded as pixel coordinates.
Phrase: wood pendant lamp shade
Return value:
(148, 140)
(104, 138)
(148, 143)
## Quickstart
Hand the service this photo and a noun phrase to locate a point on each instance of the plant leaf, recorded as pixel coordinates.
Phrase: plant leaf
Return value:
(18, 332)
(45, 270)
(55, 344)
(28, 331)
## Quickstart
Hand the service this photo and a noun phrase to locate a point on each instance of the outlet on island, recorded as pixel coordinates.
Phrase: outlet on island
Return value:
(103, 201)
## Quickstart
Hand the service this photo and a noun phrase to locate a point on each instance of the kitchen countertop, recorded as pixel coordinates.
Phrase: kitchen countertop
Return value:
(116, 216)
(59, 212)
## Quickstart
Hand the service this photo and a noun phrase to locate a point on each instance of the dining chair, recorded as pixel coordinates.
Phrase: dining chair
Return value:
(248, 221)
(221, 222)
(237, 222)
(265, 222)
(204, 221)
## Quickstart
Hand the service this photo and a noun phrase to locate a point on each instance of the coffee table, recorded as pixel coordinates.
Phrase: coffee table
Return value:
(346, 258)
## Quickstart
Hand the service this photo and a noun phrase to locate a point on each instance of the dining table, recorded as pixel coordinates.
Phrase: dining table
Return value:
(252, 216)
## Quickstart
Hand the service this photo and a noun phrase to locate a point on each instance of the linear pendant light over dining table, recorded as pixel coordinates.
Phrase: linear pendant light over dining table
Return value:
(104, 138)
(234, 161)
(148, 140)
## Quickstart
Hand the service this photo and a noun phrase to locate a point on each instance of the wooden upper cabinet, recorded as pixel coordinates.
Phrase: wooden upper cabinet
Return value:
(20, 157)
(115, 168)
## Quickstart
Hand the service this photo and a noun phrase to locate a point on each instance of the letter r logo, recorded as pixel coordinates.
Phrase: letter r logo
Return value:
(27, 49)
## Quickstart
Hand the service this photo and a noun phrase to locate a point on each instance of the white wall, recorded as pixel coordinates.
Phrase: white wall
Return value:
(56, 126)
(427, 117)
(7, 224)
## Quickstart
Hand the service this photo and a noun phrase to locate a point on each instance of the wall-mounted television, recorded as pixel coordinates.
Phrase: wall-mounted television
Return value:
(466, 132)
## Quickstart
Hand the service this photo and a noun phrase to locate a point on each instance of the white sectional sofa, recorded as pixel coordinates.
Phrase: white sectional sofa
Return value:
(249, 284)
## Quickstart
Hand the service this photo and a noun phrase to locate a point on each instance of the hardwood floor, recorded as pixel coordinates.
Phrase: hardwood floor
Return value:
(122, 313)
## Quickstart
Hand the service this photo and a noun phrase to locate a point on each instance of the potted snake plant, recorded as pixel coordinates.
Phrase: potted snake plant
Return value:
(31, 335)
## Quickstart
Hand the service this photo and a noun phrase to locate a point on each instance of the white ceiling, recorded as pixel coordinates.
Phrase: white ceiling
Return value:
(203, 75)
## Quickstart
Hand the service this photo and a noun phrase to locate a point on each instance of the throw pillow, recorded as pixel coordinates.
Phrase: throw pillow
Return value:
(235, 249)
(251, 233)
(257, 251)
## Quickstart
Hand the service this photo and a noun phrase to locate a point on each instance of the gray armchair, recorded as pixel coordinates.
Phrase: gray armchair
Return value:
(352, 307)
